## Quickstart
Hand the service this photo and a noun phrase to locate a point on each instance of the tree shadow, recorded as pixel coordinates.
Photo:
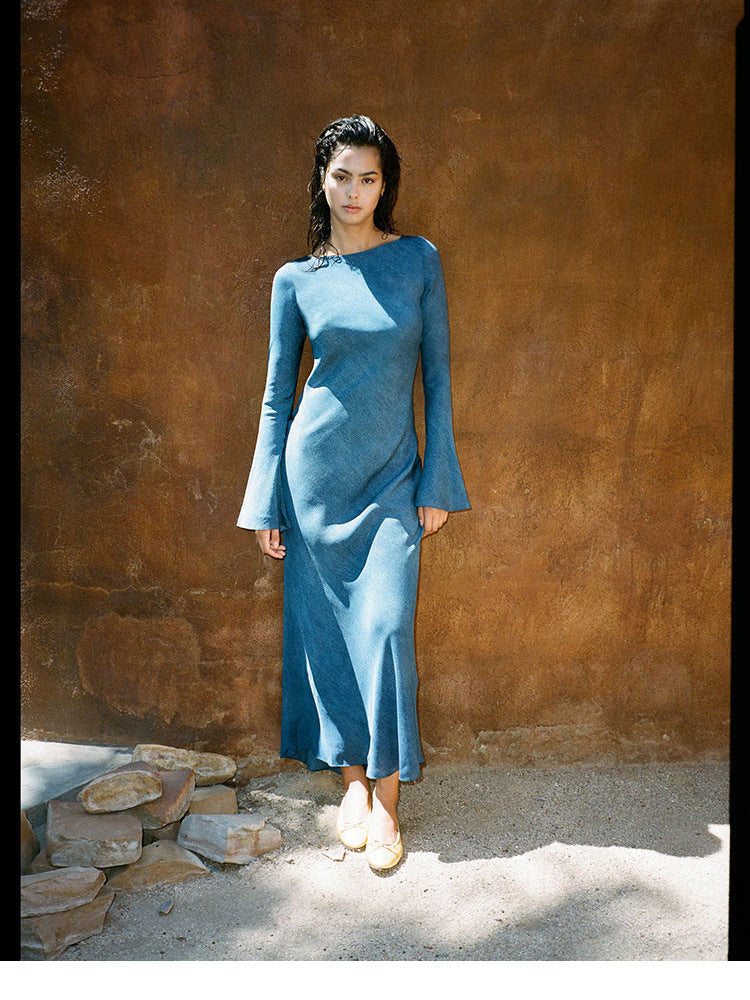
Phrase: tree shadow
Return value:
(575, 863)
(466, 813)
(463, 812)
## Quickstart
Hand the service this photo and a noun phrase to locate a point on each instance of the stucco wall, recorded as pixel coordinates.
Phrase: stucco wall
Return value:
(573, 162)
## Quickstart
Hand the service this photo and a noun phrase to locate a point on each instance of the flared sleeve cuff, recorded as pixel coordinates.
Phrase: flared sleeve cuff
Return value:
(442, 483)
(262, 506)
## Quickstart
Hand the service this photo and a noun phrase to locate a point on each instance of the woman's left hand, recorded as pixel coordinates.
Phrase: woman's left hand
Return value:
(433, 519)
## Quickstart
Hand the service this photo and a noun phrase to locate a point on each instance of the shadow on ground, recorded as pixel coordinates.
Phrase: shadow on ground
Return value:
(467, 813)
(576, 863)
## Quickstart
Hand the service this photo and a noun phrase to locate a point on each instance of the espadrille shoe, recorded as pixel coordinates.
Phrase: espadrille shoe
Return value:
(352, 833)
(381, 857)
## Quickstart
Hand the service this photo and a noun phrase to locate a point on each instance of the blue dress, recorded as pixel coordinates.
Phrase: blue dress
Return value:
(340, 474)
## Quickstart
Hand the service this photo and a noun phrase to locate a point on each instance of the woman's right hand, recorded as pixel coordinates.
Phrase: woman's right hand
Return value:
(270, 542)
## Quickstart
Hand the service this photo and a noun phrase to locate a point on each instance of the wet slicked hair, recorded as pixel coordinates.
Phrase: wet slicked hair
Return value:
(356, 130)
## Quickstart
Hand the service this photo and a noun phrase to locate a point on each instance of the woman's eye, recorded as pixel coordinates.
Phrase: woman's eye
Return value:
(341, 177)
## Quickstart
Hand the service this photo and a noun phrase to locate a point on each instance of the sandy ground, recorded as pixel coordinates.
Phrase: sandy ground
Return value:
(567, 864)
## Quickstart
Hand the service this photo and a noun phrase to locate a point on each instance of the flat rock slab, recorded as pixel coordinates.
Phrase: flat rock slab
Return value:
(210, 768)
(177, 792)
(41, 863)
(235, 839)
(220, 800)
(161, 863)
(75, 837)
(122, 788)
(59, 889)
(48, 936)
(29, 842)
(168, 832)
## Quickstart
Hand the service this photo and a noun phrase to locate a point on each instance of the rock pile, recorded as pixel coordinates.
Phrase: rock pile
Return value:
(145, 824)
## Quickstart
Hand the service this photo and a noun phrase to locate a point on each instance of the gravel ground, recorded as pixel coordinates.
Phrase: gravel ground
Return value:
(566, 864)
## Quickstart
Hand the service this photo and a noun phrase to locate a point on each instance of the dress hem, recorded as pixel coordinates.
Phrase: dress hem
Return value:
(313, 763)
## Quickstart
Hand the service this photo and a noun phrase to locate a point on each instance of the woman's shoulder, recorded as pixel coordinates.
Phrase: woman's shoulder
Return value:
(428, 251)
(287, 272)
(293, 269)
(424, 244)
(419, 243)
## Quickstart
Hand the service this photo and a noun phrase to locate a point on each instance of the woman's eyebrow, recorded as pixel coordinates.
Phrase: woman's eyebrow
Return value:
(343, 170)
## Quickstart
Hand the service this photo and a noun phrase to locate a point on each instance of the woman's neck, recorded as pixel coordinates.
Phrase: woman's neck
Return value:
(350, 241)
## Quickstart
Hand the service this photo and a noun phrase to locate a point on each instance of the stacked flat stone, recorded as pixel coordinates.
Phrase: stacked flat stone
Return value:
(123, 788)
(76, 837)
(29, 842)
(60, 908)
(233, 840)
(145, 823)
(210, 768)
(160, 863)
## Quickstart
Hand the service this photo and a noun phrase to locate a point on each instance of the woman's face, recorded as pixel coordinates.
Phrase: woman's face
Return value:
(353, 178)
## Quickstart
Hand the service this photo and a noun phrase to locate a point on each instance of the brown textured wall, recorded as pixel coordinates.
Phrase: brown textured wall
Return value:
(573, 162)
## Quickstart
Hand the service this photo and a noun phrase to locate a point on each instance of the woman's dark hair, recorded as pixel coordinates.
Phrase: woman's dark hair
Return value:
(357, 130)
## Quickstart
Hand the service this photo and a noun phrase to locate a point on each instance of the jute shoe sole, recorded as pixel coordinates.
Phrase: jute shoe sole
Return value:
(382, 857)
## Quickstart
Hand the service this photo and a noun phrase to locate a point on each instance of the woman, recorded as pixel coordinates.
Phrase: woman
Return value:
(341, 477)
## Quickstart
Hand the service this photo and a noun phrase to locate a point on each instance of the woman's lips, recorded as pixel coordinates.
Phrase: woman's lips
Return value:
(351, 208)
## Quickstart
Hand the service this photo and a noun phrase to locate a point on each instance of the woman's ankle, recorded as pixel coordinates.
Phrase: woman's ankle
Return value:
(386, 791)
(356, 784)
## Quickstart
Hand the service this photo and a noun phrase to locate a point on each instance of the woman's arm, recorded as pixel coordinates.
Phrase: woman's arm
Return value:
(262, 508)
(442, 484)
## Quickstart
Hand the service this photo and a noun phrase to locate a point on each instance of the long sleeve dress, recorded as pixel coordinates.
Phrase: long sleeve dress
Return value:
(341, 476)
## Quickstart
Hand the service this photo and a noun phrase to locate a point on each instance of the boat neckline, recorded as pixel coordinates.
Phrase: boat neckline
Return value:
(357, 253)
